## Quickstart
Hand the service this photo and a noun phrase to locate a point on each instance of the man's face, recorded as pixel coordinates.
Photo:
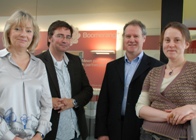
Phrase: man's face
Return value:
(60, 40)
(133, 40)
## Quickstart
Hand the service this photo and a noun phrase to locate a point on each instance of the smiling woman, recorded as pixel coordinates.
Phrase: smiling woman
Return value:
(172, 107)
(25, 99)
(21, 26)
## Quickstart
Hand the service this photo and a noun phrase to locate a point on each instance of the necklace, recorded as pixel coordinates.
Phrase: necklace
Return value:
(170, 73)
(172, 70)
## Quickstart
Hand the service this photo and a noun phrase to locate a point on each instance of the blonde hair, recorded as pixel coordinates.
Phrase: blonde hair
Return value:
(20, 18)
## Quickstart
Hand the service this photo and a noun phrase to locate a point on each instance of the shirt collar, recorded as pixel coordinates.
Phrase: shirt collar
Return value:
(5, 52)
(138, 58)
(65, 59)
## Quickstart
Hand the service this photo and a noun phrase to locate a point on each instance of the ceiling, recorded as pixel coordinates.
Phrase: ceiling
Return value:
(63, 7)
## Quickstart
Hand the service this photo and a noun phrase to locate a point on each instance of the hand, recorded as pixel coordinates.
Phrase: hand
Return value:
(68, 103)
(180, 115)
(183, 120)
(17, 138)
(37, 136)
(57, 103)
(103, 138)
(189, 117)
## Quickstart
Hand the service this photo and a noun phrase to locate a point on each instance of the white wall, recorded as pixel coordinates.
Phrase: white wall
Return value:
(103, 21)
(106, 21)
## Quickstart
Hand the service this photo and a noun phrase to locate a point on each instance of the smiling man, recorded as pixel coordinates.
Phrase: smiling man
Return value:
(69, 85)
(115, 117)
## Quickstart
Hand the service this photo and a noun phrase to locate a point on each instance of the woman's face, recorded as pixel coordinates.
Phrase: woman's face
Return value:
(174, 44)
(21, 35)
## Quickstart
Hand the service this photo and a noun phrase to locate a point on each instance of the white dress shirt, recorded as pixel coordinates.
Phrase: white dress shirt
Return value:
(25, 98)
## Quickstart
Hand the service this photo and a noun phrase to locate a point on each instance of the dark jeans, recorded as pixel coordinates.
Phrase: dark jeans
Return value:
(151, 136)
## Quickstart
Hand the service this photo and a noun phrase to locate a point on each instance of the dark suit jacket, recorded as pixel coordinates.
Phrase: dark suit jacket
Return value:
(108, 115)
(81, 91)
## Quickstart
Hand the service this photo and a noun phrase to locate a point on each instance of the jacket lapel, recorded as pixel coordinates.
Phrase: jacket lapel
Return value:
(141, 68)
(121, 69)
(52, 72)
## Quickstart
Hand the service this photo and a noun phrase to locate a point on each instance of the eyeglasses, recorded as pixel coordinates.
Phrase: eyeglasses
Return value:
(60, 36)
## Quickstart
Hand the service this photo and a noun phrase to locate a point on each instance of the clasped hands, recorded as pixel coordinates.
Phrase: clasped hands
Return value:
(181, 115)
(62, 104)
(36, 137)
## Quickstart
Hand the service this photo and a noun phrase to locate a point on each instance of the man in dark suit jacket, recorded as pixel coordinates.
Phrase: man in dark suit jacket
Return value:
(69, 85)
(115, 116)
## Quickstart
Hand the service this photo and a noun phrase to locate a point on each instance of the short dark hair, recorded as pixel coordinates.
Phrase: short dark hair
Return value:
(58, 24)
(135, 23)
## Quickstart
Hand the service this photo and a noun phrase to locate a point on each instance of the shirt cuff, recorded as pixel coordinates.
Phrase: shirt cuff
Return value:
(8, 136)
(44, 127)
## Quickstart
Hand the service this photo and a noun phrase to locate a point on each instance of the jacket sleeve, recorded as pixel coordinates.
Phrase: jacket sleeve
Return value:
(102, 110)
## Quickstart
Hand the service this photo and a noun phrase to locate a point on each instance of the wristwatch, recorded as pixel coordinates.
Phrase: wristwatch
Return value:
(41, 134)
(75, 103)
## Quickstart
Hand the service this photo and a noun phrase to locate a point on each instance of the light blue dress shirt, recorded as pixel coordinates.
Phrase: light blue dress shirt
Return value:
(130, 68)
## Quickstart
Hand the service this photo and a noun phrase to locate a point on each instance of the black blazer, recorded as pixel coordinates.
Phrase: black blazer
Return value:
(81, 91)
(108, 114)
